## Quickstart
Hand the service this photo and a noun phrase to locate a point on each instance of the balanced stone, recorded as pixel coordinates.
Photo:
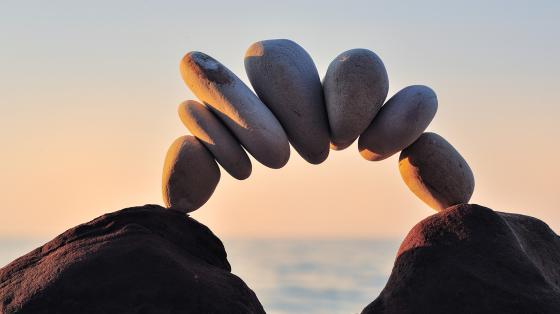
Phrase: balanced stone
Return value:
(436, 172)
(238, 107)
(355, 86)
(190, 175)
(203, 124)
(285, 78)
(399, 122)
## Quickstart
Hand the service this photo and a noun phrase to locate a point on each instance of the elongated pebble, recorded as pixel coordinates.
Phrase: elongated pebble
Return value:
(238, 107)
(399, 122)
(355, 86)
(203, 124)
(190, 175)
(436, 172)
(285, 78)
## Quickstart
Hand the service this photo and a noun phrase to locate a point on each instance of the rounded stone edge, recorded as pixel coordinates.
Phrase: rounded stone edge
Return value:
(363, 147)
(173, 156)
(426, 191)
(314, 151)
(343, 141)
(226, 85)
(214, 137)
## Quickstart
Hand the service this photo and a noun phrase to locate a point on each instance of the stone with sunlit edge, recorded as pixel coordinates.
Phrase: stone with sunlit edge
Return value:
(355, 87)
(286, 80)
(203, 124)
(238, 107)
(471, 259)
(436, 172)
(190, 175)
(399, 122)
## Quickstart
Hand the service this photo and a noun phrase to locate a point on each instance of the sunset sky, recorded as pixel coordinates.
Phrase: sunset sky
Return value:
(89, 94)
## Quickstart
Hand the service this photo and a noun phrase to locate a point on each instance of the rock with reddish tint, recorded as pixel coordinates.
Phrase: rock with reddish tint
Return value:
(136, 260)
(471, 259)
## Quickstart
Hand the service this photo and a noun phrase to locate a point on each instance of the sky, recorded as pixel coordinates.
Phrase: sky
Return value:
(89, 94)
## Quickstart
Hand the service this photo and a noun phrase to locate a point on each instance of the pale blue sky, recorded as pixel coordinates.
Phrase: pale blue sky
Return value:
(89, 90)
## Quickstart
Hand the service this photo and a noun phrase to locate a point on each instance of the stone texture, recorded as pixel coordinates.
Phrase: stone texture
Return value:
(399, 123)
(436, 172)
(238, 107)
(190, 175)
(471, 259)
(203, 124)
(355, 86)
(285, 78)
(136, 260)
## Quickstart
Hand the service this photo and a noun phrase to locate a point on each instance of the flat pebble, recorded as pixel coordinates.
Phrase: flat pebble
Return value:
(285, 78)
(238, 107)
(355, 87)
(436, 172)
(190, 175)
(399, 122)
(203, 124)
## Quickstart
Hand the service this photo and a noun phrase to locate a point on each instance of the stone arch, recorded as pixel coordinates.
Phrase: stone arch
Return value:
(291, 106)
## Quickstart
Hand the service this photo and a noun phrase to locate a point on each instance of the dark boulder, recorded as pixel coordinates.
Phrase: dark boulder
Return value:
(136, 260)
(471, 259)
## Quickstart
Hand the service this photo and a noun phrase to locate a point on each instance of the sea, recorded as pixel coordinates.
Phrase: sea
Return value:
(294, 276)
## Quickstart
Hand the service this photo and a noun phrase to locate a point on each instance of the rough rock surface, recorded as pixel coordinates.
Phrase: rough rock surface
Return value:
(138, 260)
(471, 259)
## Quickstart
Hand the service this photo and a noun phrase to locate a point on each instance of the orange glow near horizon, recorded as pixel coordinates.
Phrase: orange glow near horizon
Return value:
(89, 110)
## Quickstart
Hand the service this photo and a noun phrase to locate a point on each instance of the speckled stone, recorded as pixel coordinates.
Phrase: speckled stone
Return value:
(436, 172)
(399, 122)
(190, 175)
(285, 78)
(238, 107)
(203, 124)
(355, 87)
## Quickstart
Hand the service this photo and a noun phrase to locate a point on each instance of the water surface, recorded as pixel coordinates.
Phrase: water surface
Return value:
(313, 275)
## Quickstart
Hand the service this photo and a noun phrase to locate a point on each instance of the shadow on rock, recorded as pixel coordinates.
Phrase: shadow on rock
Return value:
(136, 260)
(471, 259)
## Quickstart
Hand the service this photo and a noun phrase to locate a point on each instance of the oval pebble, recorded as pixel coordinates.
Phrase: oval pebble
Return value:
(355, 85)
(238, 107)
(399, 122)
(203, 124)
(190, 175)
(285, 78)
(436, 172)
